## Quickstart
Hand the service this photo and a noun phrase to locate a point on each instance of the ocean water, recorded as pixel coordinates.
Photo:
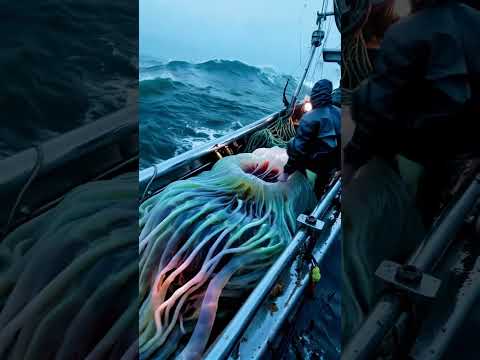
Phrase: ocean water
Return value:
(182, 105)
(63, 64)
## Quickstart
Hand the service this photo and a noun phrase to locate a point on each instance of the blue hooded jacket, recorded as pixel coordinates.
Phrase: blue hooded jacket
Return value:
(316, 144)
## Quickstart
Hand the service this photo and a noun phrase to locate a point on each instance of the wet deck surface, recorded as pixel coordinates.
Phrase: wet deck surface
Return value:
(317, 330)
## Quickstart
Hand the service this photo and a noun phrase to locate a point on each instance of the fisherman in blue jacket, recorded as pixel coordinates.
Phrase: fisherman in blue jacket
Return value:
(316, 146)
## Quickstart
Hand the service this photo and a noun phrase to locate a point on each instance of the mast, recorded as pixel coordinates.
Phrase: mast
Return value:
(317, 37)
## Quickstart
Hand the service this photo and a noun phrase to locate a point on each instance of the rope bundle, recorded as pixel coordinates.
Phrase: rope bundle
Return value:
(361, 21)
(278, 134)
(351, 17)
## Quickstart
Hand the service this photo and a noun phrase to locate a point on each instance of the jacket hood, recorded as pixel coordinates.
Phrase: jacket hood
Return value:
(321, 93)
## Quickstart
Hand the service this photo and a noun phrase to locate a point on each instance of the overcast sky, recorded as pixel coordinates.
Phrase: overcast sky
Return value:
(258, 32)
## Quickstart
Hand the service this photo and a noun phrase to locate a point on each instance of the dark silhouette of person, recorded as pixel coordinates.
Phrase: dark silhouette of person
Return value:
(316, 146)
(422, 99)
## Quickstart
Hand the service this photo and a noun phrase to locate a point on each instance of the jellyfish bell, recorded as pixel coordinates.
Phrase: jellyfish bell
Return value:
(277, 155)
(266, 163)
(212, 237)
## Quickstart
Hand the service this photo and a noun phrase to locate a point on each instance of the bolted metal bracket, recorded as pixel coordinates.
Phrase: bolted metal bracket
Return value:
(222, 151)
(311, 222)
(317, 37)
(408, 278)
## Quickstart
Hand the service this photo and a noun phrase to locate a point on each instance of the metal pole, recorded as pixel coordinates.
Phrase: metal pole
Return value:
(232, 333)
(295, 297)
(317, 38)
(380, 320)
(468, 296)
(432, 250)
(384, 315)
(300, 84)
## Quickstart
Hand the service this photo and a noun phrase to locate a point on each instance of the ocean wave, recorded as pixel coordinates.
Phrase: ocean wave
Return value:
(82, 67)
(157, 86)
(232, 69)
(183, 104)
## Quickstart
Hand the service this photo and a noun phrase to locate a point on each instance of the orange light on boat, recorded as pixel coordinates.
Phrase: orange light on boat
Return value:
(307, 106)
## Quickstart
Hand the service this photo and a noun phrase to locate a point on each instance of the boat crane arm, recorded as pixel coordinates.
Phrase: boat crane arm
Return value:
(318, 36)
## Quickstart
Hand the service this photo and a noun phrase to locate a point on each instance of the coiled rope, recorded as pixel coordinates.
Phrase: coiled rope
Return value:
(277, 134)
(361, 21)
(350, 17)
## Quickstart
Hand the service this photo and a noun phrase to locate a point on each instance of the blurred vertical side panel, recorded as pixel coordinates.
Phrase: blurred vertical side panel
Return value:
(411, 176)
(69, 180)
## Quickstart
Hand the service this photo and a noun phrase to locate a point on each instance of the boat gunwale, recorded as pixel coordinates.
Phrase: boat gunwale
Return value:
(169, 166)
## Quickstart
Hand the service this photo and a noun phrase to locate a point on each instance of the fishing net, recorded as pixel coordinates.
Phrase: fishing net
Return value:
(361, 21)
(69, 278)
(379, 222)
(357, 63)
(278, 134)
(350, 16)
(206, 241)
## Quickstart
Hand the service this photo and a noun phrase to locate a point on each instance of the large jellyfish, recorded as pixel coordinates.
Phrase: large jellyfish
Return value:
(69, 278)
(372, 234)
(206, 241)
